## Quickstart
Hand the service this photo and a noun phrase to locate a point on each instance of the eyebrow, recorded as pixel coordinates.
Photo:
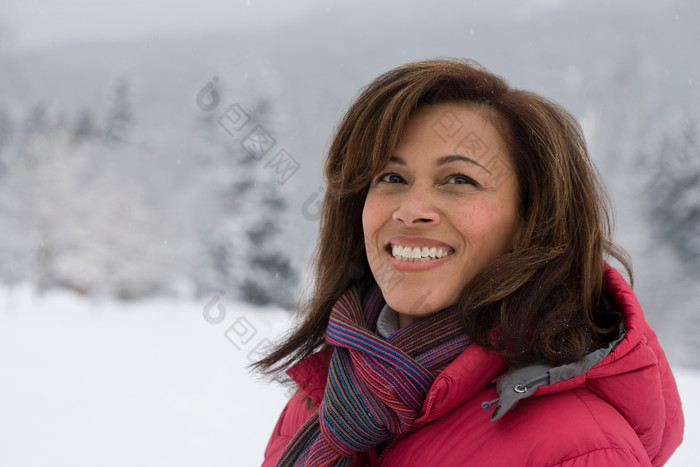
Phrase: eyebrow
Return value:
(443, 160)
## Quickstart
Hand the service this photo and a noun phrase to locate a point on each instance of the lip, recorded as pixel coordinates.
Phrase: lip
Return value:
(416, 266)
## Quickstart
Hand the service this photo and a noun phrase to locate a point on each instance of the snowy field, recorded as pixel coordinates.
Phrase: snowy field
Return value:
(157, 382)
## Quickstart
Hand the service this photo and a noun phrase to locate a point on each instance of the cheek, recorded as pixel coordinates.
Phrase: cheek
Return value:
(489, 230)
(366, 220)
(505, 240)
(371, 215)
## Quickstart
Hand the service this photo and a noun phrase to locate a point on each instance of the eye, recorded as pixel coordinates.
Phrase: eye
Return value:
(390, 177)
(461, 179)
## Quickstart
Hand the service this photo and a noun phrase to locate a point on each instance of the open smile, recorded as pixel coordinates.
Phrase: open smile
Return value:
(418, 254)
(412, 254)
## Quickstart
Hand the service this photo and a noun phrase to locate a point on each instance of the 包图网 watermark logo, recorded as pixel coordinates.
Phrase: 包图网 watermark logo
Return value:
(255, 138)
(241, 333)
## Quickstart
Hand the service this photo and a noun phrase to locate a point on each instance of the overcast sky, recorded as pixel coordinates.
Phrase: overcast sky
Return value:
(39, 23)
(26, 24)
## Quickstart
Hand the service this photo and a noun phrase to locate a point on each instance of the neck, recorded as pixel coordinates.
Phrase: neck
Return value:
(405, 320)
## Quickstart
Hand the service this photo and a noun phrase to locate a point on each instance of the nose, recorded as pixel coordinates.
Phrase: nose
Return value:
(417, 206)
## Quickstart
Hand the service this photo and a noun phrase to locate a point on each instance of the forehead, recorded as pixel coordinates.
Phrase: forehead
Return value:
(465, 129)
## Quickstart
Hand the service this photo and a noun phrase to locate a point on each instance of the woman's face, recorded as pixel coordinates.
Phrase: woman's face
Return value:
(442, 209)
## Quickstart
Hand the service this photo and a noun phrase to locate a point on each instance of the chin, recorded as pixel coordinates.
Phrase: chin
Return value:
(416, 302)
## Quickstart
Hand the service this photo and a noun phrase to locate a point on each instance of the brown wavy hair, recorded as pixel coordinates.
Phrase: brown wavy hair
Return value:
(537, 302)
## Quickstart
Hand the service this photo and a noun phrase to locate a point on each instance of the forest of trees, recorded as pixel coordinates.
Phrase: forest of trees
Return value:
(84, 205)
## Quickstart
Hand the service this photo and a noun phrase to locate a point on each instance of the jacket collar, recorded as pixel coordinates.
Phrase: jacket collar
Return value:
(523, 382)
(603, 362)
(461, 380)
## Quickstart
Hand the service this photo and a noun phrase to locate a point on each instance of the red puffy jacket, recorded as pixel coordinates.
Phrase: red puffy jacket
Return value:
(617, 407)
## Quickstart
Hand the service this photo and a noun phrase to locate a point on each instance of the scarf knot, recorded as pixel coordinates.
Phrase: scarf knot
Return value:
(375, 387)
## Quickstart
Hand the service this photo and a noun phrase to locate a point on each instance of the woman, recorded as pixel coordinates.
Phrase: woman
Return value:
(463, 312)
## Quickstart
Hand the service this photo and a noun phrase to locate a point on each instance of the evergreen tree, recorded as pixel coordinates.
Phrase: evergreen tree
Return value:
(6, 130)
(120, 114)
(247, 252)
(32, 200)
(37, 121)
(84, 128)
(674, 202)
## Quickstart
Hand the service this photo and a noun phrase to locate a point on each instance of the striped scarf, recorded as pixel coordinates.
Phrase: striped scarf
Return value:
(375, 387)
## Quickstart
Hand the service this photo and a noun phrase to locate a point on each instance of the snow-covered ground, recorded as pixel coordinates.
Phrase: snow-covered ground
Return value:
(158, 382)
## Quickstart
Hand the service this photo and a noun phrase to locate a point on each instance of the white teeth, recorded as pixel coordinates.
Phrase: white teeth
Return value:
(406, 253)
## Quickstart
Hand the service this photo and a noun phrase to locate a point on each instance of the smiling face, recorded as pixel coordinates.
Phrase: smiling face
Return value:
(442, 209)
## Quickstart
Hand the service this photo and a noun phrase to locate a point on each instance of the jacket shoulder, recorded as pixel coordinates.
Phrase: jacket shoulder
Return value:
(571, 428)
(298, 409)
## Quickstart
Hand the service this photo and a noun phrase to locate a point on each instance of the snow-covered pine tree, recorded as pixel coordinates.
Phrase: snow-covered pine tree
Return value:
(6, 130)
(120, 116)
(674, 201)
(247, 251)
(85, 127)
(33, 200)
